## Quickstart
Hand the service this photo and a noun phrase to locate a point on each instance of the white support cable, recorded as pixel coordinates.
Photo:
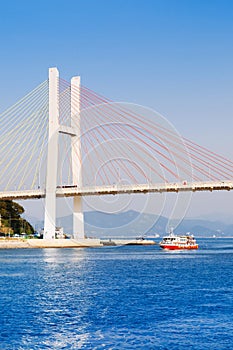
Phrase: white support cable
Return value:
(18, 126)
(24, 110)
(23, 144)
(86, 175)
(21, 141)
(40, 157)
(17, 130)
(32, 150)
(24, 101)
(21, 105)
(25, 125)
(37, 160)
(64, 106)
(17, 169)
(63, 150)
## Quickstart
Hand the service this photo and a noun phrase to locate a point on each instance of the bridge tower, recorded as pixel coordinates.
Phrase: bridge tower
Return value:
(52, 159)
(78, 218)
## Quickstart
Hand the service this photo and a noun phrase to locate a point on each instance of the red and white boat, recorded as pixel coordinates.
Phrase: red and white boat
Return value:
(174, 242)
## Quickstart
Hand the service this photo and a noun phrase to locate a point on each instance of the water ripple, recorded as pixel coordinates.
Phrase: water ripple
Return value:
(120, 298)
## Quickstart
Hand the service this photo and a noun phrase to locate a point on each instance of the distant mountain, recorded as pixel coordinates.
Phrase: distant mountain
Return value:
(132, 224)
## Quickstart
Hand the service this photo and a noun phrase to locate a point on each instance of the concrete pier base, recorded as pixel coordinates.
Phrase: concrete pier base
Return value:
(69, 243)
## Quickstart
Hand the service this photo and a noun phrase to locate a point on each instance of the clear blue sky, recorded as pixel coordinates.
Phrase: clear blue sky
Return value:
(172, 55)
(175, 56)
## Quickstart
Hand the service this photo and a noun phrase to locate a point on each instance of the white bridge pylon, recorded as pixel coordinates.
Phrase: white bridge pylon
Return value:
(52, 159)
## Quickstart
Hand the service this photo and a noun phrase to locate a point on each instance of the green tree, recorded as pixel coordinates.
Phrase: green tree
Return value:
(11, 217)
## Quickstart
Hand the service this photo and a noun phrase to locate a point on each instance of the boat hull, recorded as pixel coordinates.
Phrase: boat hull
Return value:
(178, 247)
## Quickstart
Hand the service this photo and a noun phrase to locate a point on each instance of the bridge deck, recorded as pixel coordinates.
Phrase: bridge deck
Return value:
(121, 189)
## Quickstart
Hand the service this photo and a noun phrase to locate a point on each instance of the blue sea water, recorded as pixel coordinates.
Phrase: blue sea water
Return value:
(130, 297)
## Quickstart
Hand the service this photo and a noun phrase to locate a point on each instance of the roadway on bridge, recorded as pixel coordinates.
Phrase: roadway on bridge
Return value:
(72, 191)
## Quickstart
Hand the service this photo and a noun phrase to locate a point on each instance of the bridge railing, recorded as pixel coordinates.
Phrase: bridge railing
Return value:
(71, 191)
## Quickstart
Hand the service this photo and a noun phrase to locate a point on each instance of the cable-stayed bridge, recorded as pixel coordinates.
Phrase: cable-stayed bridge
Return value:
(64, 140)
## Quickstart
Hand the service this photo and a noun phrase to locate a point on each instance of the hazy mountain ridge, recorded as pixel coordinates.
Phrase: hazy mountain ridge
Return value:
(132, 224)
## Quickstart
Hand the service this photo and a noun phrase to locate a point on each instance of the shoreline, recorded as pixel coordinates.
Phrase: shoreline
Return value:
(68, 243)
